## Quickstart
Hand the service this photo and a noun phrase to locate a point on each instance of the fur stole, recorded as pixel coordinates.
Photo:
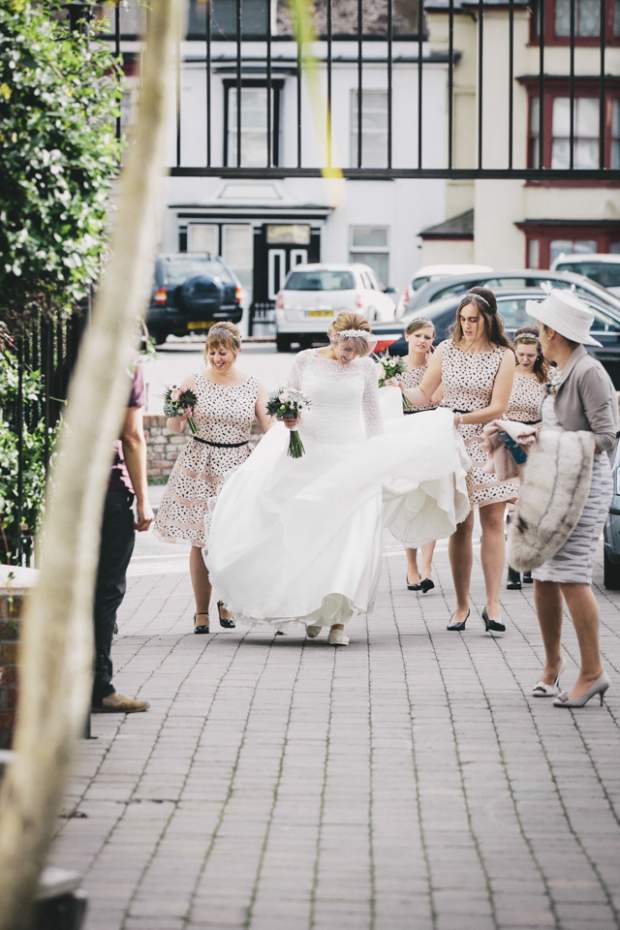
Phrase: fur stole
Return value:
(554, 488)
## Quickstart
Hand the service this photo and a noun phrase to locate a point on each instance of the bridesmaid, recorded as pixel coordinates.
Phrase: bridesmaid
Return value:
(227, 403)
(475, 367)
(529, 390)
(420, 335)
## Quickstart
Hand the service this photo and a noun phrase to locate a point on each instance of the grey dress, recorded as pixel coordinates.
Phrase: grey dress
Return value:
(573, 562)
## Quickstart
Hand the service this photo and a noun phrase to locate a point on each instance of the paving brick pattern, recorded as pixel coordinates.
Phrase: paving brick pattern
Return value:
(408, 782)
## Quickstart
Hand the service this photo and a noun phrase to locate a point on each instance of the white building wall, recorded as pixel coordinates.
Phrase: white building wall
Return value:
(404, 206)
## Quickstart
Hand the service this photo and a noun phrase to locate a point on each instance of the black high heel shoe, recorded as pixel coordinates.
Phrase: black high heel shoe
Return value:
(227, 623)
(427, 584)
(459, 625)
(514, 580)
(412, 587)
(492, 627)
(201, 627)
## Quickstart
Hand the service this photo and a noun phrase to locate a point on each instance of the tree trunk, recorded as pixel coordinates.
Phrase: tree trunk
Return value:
(56, 646)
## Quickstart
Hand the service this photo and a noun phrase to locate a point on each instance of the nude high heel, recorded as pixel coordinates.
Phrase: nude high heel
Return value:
(599, 686)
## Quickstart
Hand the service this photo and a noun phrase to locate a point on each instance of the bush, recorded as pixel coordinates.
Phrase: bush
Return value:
(59, 98)
(12, 524)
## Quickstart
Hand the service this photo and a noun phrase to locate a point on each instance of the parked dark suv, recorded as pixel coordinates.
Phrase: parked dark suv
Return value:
(191, 292)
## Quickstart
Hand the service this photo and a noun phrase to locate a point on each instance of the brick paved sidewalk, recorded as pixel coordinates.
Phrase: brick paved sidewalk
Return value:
(408, 782)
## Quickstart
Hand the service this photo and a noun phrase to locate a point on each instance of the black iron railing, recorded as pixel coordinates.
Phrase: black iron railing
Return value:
(255, 41)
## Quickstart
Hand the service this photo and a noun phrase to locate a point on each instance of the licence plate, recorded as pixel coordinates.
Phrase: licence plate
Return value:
(319, 312)
(200, 324)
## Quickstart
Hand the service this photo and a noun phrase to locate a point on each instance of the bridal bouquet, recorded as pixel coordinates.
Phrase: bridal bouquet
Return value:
(287, 404)
(178, 403)
(394, 367)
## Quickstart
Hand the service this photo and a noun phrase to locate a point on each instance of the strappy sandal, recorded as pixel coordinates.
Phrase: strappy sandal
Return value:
(201, 627)
(227, 623)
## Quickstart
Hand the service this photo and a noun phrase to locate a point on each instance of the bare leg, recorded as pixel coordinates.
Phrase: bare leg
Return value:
(584, 612)
(492, 554)
(428, 550)
(201, 585)
(413, 575)
(461, 560)
(548, 600)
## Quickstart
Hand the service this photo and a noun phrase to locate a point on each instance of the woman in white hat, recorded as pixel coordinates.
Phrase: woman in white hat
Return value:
(583, 398)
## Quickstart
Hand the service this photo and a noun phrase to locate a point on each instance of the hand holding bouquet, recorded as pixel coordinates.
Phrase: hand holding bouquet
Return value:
(286, 404)
(178, 403)
(394, 367)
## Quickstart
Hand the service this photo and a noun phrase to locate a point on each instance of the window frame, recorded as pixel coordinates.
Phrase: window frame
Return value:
(544, 234)
(555, 88)
(353, 124)
(277, 85)
(355, 250)
(551, 38)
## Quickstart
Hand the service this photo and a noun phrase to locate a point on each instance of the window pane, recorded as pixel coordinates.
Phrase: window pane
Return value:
(379, 262)
(365, 236)
(567, 246)
(512, 313)
(587, 17)
(253, 126)
(202, 237)
(533, 253)
(237, 251)
(320, 281)
(374, 128)
(614, 247)
(586, 116)
(224, 17)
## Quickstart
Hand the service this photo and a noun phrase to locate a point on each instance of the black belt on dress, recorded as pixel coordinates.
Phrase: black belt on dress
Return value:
(464, 411)
(221, 445)
(525, 422)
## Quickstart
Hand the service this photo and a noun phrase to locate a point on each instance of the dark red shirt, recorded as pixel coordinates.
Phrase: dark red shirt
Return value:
(119, 476)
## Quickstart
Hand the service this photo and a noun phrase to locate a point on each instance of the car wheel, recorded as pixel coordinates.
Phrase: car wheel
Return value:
(283, 343)
(611, 574)
(159, 336)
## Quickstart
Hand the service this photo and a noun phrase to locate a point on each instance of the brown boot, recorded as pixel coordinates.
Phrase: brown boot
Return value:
(119, 704)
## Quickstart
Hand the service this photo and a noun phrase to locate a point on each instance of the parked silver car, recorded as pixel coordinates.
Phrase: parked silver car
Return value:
(611, 558)
(517, 280)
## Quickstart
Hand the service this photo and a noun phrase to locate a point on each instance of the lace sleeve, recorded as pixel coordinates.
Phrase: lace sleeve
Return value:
(371, 411)
(295, 375)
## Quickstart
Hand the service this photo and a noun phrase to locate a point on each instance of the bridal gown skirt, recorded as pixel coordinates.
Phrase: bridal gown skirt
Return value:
(301, 539)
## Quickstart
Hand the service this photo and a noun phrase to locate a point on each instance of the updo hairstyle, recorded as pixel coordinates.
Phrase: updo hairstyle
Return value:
(415, 325)
(347, 322)
(224, 335)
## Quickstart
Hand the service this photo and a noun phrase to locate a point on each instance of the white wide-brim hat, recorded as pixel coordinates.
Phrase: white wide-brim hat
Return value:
(566, 313)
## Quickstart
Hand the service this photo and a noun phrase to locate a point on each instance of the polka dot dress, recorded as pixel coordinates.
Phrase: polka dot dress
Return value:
(412, 378)
(468, 379)
(223, 414)
(526, 399)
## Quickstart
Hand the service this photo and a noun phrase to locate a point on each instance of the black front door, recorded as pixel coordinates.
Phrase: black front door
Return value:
(279, 247)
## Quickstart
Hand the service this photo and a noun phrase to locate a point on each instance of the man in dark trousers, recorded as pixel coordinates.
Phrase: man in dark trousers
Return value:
(127, 484)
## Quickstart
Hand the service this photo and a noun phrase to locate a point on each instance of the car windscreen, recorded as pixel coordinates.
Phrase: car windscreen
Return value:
(607, 274)
(176, 271)
(320, 281)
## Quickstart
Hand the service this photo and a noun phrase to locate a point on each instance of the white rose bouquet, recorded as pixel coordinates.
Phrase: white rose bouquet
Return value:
(287, 404)
(394, 367)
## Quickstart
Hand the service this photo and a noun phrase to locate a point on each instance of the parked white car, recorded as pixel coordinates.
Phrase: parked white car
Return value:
(604, 268)
(314, 294)
(431, 273)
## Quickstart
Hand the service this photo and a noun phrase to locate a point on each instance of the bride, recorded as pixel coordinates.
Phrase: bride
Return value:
(300, 540)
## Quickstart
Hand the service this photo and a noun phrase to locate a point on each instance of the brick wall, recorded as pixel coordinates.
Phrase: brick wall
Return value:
(163, 447)
(9, 635)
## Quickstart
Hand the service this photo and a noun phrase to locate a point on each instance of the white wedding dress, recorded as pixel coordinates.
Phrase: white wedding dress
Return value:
(295, 540)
